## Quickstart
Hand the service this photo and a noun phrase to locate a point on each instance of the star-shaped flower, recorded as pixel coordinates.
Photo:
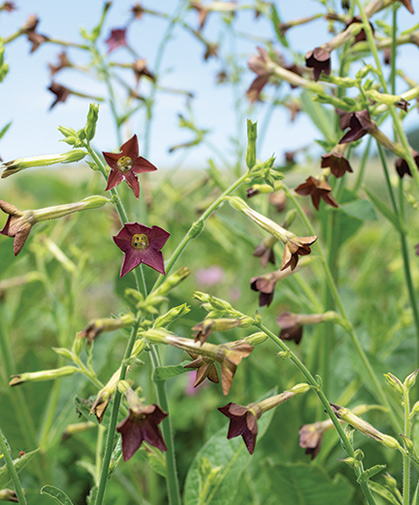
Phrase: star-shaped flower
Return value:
(205, 369)
(359, 123)
(141, 244)
(337, 163)
(116, 39)
(403, 168)
(243, 421)
(125, 164)
(290, 328)
(317, 190)
(141, 425)
(294, 247)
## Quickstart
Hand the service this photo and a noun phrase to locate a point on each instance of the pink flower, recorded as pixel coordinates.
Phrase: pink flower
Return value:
(116, 39)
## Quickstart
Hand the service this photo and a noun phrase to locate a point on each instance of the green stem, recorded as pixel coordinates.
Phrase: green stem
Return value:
(364, 160)
(358, 468)
(12, 470)
(354, 339)
(200, 223)
(406, 459)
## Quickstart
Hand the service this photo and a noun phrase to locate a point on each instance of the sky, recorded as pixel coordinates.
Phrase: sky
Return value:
(25, 99)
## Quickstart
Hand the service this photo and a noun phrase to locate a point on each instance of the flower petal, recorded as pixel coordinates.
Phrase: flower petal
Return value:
(132, 259)
(115, 178)
(157, 236)
(153, 259)
(111, 158)
(130, 148)
(142, 165)
(133, 183)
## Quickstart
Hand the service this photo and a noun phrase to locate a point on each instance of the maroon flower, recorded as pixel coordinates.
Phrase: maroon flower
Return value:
(17, 226)
(337, 163)
(317, 190)
(126, 164)
(260, 65)
(408, 5)
(265, 284)
(137, 11)
(63, 62)
(243, 421)
(141, 425)
(311, 436)
(294, 247)
(29, 28)
(290, 328)
(359, 125)
(361, 36)
(141, 245)
(61, 93)
(116, 39)
(319, 60)
(403, 168)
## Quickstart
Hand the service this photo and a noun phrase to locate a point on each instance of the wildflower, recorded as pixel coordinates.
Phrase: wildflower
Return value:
(205, 369)
(360, 36)
(311, 436)
(61, 93)
(140, 69)
(261, 66)
(207, 326)
(359, 125)
(291, 329)
(63, 62)
(117, 38)
(265, 251)
(265, 284)
(403, 168)
(317, 189)
(141, 244)
(336, 161)
(294, 247)
(95, 328)
(408, 5)
(137, 11)
(140, 425)
(202, 13)
(125, 164)
(29, 28)
(8, 6)
(319, 60)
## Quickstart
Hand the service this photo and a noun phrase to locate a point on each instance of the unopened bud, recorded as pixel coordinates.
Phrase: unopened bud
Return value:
(74, 429)
(92, 117)
(45, 375)
(172, 280)
(251, 144)
(410, 380)
(172, 315)
(394, 383)
(256, 338)
(359, 455)
(196, 229)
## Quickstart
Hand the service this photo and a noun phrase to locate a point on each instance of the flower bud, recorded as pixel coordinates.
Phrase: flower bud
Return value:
(99, 326)
(410, 380)
(92, 117)
(74, 429)
(45, 375)
(251, 144)
(196, 229)
(256, 338)
(172, 315)
(394, 383)
(172, 280)
(8, 495)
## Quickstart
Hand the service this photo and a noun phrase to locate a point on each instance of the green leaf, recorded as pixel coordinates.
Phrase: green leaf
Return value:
(225, 461)
(368, 474)
(383, 492)
(3, 131)
(276, 21)
(361, 209)
(162, 373)
(345, 225)
(384, 210)
(322, 117)
(58, 495)
(306, 484)
(19, 464)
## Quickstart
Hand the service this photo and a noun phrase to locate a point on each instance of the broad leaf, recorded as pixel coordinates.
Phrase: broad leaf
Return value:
(58, 495)
(162, 373)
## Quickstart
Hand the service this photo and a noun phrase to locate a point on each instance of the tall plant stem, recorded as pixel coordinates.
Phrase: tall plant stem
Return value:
(358, 468)
(406, 459)
(12, 470)
(350, 330)
(198, 226)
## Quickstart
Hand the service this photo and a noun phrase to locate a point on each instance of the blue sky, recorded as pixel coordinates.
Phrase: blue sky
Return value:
(25, 100)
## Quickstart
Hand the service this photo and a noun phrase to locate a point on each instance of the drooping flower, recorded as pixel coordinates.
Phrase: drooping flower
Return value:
(98, 326)
(141, 244)
(265, 251)
(205, 369)
(125, 164)
(311, 436)
(137, 11)
(243, 421)
(319, 60)
(403, 168)
(336, 161)
(117, 38)
(265, 285)
(317, 189)
(141, 425)
(61, 93)
(291, 329)
(261, 65)
(294, 247)
(140, 69)
(8, 6)
(18, 225)
(202, 11)
(360, 36)
(29, 28)
(359, 123)
(63, 62)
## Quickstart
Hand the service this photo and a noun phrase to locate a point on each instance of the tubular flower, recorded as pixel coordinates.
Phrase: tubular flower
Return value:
(125, 164)
(29, 28)
(141, 244)
(311, 436)
(243, 421)
(317, 189)
(336, 161)
(265, 285)
(403, 168)
(261, 65)
(117, 38)
(359, 124)
(61, 93)
(319, 60)
(63, 62)
(290, 327)
(205, 369)
(265, 251)
(294, 247)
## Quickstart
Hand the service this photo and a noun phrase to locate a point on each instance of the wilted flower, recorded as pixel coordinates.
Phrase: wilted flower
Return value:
(117, 38)
(8, 6)
(265, 251)
(125, 164)
(141, 244)
(137, 11)
(204, 329)
(63, 62)
(61, 93)
(311, 436)
(336, 161)
(403, 168)
(211, 49)
(18, 225)
(140, 69)
(140, 425)
(359, 125)
(243, 421)
(98, 326)
(317, 189)
(319, 60)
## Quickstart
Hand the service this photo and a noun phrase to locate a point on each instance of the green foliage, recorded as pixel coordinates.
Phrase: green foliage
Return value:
(55, 493)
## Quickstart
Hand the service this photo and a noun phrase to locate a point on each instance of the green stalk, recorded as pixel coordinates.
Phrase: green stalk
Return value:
(350, 329)
(358, 467)
(190, 234)
(12, 470)
(406, 459)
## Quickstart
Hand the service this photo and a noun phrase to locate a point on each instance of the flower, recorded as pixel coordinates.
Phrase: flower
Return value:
(61, 93)
(141, 425)
(360, 36)
(261, 66)
(210, 276)
(317, 189)
(8, 6)
(311, 436)
(265, 284)
(116, 39)
(337, 163)
(18, 225)
(359, 123)
(125, 164)
(95, 328)
(265, 251)
(140, 69)
(243, 421)
(205, 369)
(29, 28)
(319, 60)
(63, 62)
(403, 168)
(408, 5)
(137, 11)
(141, 244)
(290, 328)
(294, 247)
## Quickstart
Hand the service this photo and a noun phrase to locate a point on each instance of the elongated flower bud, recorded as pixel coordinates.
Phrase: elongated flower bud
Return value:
(45, 375)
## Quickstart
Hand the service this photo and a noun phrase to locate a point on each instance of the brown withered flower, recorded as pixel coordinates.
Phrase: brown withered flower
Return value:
(137, 11)
(8, 6)
(294, 247)
(290, 327)
(140, 69)
(317, 189)
(336, 161)
(265, 285)
(261, 66)
(61, 93)
(359, 124)
(319, 60)
(63, 62)
(265, 251)
(237, 351)
(29, 28)
(18, 225)
(205, 369)
(403, 168)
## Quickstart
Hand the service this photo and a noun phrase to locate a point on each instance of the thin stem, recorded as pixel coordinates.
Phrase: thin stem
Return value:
(406, 459)
(364, 160)
(12, 470)
(358, 468)
(350, 330)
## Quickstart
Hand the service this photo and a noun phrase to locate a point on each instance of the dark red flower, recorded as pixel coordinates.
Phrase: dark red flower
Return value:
(317, 190)
(319, 60)
(125, 164)
(17, 225)
(337, 163)
(290, 328)
(403, 168)
(361, 36)
(408, 5)
(141, 245)
(359, 125)
(243, 421)
(265, 284)
(261, 66)
(63, 62)
(116, 39)
(141, 425)
(61, 93)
